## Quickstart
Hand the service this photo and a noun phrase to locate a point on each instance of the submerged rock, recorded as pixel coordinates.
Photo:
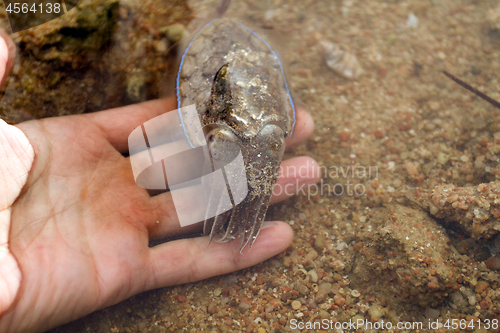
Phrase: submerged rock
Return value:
(407, 260)
(475, 209)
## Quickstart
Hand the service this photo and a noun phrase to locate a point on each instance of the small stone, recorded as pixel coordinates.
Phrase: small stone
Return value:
(341, 246)
(337, 265)
(412, 21)
(431, 313)
(337, 277)
(319, 242)
(379, 134)
(296, 305)
(161, 46)
(344, 136)
(136, 88)
(287, 261)
(442, 158)
(357, 246)
(355, 293)
(493, 263)
(484, 305)
(275, 303)
(312, 255)
(324, 314)
(217, 292)
(314, 276)
(377, 311)
(321, 296)
(481, 286)
(325, 286)
(212, 308)
(411, 169)
(339, 300)
(245, 306)
(261, 330)
(174, 32)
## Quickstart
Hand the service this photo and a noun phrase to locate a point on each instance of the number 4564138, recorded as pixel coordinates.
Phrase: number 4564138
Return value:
(48, 8)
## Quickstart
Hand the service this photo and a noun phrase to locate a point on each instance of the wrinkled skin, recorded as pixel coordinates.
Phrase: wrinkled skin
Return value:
(237, 84)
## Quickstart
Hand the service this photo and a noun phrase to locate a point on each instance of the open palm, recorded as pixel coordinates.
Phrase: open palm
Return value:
(80, 226)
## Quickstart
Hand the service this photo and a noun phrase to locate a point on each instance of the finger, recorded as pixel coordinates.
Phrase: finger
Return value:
(117, 124)
(304, 126)
(164, 221)
(7, 55)
(188, 260)
(295, 176)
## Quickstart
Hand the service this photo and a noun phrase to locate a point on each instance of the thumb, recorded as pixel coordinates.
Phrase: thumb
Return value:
(7, 55)
(16, 159)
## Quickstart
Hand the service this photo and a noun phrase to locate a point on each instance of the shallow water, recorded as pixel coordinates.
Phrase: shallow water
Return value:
(384, 140)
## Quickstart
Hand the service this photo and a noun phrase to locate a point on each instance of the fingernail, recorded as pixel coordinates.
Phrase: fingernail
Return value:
(268, 224)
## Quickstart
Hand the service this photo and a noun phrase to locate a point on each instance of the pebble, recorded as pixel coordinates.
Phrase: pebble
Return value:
(481, 286)
(377, 311)
(314, 276)
(296, 305)
(339, 300)
(161, 46)
(321, 296)
(212, 308)
(174, 32)
(412, 21)
(442, 158)
(319, 242)
(411, 169)
(431, 313)
(493, 263)
(136, 88)
(341, 246)
(325, 286)
(217, 292)
(312, 255)
(324, 314)
(245, 305)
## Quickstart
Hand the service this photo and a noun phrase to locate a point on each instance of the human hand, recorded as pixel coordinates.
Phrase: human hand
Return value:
(76, 238)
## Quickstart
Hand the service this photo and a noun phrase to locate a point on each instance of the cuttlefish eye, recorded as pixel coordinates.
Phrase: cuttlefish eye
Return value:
(271, 139)
(223, 144)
